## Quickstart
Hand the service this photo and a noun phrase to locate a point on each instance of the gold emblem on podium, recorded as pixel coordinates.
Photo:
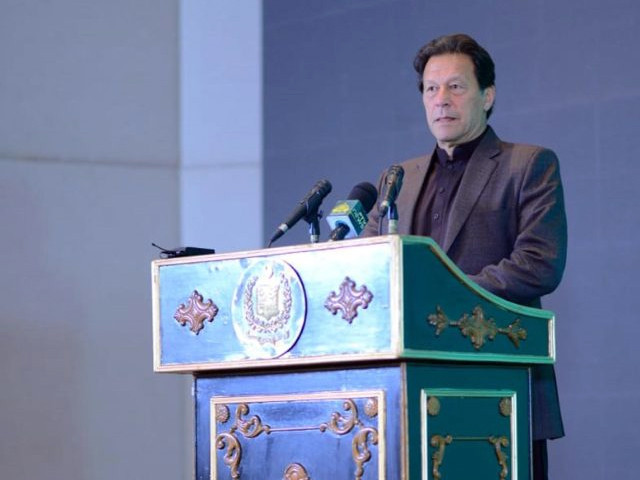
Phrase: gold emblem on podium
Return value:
(269, 309)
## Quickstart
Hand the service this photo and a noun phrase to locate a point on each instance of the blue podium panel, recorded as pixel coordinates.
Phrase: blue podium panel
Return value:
(400, 421)
(254, 310)
(316, 424)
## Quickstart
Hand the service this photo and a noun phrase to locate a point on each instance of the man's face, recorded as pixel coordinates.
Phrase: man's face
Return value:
(454, 104)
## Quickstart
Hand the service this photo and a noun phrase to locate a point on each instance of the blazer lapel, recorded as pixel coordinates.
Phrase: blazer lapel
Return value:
(478, 172)
(414, 176)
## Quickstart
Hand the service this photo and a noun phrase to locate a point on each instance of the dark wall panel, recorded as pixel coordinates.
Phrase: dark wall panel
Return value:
(340, 102)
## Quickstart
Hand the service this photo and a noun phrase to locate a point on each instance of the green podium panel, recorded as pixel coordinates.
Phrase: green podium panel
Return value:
(469, 422)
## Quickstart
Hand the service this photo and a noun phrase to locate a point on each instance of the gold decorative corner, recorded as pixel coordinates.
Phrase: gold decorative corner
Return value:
(196, 312)
(295, 471)
(477, 327)
(371, 407)
(433, 406)
(348, 300)
(505, 407)
(222, 414)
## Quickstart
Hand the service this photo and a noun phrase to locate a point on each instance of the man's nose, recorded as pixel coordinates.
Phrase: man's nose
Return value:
(442, 96)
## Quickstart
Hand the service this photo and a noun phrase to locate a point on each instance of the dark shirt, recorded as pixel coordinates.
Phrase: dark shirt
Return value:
(439, 189)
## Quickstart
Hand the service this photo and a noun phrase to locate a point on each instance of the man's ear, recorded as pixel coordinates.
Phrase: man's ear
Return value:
(489, 97)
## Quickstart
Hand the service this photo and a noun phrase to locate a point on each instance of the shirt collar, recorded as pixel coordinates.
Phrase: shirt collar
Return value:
(462, 152)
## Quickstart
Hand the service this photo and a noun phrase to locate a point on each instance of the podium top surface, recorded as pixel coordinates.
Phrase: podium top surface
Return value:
(374, 299)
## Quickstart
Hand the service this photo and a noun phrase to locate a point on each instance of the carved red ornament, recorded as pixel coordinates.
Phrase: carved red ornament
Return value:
(196, 312)
(348, 300)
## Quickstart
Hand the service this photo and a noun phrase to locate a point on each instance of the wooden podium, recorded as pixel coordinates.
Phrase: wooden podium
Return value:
(363, 359)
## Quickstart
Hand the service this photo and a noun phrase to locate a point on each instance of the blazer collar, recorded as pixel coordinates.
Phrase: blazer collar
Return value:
(414, 177)
(481, 165)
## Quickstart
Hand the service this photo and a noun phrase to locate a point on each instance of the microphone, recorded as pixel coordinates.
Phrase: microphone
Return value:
(349, 217)
(394, 184)
(308, 204)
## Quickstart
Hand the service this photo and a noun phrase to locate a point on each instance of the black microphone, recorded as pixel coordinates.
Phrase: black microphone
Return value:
(308, 204)
(394, 184)
(349, 217)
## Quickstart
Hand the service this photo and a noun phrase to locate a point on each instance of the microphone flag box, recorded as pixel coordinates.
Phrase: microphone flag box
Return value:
(350, 213)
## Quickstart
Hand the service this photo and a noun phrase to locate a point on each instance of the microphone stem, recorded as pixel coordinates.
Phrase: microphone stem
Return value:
(393, 218)
(314, 226)
(314, 231)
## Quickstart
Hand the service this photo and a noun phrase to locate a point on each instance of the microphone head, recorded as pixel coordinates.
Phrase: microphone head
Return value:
(349, 217)
(393, 182)
(308, 205)
(366, 193)
(395, 176)
(322, 188)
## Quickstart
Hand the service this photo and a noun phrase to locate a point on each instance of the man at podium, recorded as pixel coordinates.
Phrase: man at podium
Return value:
(496, 208)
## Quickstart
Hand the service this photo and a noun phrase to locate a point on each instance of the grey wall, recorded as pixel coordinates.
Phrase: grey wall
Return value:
(221, 124)
(89, 146)
(340, 102)
(121, 123)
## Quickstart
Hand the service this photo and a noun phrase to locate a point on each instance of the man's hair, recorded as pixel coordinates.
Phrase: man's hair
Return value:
(460, 43)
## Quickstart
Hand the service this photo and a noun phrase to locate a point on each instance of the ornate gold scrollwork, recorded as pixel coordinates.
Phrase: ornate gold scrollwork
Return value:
(477, 327)
(295, 471)
(196, 312)
(250, 428)
(233, 455)
(360, 448)
(339, 424)
(348, 300)
(440, 443)
(498, 442)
